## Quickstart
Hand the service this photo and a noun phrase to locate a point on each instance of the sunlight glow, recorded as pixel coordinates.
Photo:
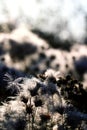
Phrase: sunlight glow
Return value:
(46, 14)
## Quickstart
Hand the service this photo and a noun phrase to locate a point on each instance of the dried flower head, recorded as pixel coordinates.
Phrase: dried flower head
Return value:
(24, 99)
(13, 87)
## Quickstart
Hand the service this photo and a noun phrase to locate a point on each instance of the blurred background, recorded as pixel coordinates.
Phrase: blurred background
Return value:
(36, 35)
(61, 19)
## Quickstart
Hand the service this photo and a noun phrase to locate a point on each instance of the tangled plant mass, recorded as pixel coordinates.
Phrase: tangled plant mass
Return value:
(41, 88)
(43, 104)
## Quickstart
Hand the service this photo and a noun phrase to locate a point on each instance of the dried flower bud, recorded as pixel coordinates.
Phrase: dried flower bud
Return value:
(29, 109)
(45, 117)
(38, 102)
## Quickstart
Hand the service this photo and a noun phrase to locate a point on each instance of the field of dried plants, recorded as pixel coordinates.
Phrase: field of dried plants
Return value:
(43, 86)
